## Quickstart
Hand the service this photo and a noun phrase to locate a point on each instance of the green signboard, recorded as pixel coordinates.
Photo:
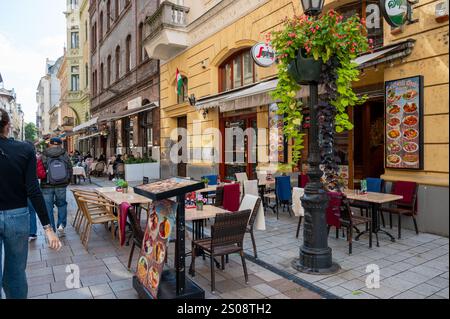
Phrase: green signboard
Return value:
(395, 12)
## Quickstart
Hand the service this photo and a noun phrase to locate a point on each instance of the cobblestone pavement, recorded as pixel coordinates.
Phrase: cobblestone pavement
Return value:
(104, 275)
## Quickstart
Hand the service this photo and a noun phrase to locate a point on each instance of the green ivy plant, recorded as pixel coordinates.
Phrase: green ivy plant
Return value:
(327, 37)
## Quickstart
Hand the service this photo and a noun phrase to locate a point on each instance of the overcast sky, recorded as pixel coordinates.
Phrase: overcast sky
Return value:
(30, 32)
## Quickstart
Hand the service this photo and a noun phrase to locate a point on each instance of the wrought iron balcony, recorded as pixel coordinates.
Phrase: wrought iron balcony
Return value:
(165, 31)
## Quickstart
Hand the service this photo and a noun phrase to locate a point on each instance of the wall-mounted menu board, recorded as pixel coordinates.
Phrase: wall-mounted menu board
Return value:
(277, 142)
(404, 123)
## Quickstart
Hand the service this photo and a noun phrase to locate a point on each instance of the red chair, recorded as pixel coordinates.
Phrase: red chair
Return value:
(231, 197)
(303, 179)
(406, 207)
(333, 211)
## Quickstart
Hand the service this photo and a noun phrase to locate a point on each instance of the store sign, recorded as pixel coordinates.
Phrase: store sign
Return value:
(135, 103)
(263, 54)
(395, 12)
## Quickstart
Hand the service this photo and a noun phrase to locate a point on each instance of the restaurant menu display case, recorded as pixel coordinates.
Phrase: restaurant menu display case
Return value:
(151, 281)
(404, 123)
(277, 141)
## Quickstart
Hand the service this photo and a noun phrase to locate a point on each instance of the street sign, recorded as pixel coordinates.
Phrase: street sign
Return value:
(263, 54)
(396, 12)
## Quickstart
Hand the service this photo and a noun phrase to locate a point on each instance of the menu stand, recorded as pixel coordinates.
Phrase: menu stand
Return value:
(174, 284)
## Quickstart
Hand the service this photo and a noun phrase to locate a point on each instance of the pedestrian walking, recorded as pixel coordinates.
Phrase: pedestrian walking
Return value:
(54, 187)
(18, 182)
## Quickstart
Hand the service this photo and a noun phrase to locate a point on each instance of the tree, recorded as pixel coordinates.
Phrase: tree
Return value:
(30, 132)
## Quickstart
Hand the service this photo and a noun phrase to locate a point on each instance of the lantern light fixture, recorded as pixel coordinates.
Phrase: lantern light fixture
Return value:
(312, 7)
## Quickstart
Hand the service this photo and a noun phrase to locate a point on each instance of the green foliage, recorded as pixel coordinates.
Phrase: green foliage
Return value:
(327, 37)
(121, 183)
(30, 132)
(140, 160)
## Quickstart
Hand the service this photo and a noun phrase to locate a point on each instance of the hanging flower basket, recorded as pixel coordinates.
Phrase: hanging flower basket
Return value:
(305, 70)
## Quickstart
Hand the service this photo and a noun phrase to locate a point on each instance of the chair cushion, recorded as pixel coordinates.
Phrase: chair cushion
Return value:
(396, 210)
(205, 244)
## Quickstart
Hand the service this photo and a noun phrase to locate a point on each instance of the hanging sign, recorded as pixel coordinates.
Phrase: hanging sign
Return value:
(263, 54)
(396, 12)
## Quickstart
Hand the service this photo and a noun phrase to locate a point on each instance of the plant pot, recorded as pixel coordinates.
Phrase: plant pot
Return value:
(125, 190)
(305, 70)
(199, 207)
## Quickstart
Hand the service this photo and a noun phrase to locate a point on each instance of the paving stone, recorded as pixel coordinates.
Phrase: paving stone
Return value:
(409, 295)
(38, 290)
(384, 292)
(127, 294)
(352, 285)
(333, 281)
(267, 275)
(266, 290)
(301, 293)
(41, 280)
(108, 296)
(280, 296)
(359, 295)
(425, 289)
(82, 293)
(283, 285)
(61, 286)
(121, 285)
(39, 272)
(339, 291)
(229, 285)
(248, 293)
(443, 293)
(94, 280)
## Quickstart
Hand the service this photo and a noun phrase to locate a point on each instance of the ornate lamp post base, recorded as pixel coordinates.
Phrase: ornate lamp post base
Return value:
(318, 268)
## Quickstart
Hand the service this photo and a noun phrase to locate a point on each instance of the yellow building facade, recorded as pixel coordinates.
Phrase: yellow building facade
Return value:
(216, 36)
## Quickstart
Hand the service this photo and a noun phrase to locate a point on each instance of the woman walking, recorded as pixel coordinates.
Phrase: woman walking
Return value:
(18, 182)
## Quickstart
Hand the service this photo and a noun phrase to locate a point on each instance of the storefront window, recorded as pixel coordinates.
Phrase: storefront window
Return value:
(237, 71)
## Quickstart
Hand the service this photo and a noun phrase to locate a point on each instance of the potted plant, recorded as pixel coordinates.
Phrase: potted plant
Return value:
(205, 181)
(200, 202)
(122, 186)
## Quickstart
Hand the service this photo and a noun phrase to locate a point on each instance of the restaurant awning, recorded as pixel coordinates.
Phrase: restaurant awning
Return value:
(89, 136)
(246, 97)
(385, 54)
(122, 114)
(85, 125)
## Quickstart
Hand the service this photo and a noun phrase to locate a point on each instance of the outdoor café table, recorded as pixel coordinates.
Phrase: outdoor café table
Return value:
(79, 172)
(375, 200)
(118, 198)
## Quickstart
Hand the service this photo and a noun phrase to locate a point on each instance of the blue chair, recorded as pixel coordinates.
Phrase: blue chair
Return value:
(212, 180)
(283, 192)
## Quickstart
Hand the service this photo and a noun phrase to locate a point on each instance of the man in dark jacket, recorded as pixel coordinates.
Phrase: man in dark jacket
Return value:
(55, 192)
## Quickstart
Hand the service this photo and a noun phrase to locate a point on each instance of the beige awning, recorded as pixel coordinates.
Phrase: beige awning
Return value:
(85, 125)
(119, 115)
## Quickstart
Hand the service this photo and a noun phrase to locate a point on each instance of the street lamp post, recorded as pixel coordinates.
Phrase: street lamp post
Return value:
(315, 255)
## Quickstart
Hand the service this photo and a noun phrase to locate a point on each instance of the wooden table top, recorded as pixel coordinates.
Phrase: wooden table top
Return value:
(377, 198)
(130, 197)
(102, 190)
(209, 211)
(266, 182)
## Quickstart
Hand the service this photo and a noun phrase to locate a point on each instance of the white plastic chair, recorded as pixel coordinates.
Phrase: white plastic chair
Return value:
(251, 187)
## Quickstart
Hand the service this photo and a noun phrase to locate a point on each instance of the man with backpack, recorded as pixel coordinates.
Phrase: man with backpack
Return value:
(58, 168)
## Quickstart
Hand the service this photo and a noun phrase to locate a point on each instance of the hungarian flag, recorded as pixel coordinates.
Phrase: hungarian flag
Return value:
(179, 83)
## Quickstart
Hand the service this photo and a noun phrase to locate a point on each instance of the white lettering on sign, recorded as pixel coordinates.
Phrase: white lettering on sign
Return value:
(263, 54)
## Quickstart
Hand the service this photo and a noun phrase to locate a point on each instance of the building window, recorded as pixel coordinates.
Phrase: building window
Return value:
(108, 15)
(184, 91)
(141, 53)
(237, 71)
(73, 4)
(74, 40)
(108, 71)
(94, 37)
(128, 54)
(102, 77)
(94, 82)
(117, 58)
(101, 27)
(86, 70)
(85, 31)
(75, 78)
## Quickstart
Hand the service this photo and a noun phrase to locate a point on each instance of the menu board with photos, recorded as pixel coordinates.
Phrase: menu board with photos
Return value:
(154, 246)
(404, 121)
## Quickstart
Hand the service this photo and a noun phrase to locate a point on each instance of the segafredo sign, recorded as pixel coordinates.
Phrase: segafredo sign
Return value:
(263, 54)
(395, 11)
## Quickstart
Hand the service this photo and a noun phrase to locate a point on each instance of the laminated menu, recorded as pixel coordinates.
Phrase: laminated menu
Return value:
(404, 136)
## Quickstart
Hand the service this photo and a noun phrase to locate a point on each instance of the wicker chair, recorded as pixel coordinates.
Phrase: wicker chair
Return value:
(219, 197)
(120, 170)
(138, 234)
(93, 209)
(99, 169)
(227, 236)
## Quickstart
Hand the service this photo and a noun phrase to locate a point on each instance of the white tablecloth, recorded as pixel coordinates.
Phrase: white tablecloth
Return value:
(297, 207)
(79, 171)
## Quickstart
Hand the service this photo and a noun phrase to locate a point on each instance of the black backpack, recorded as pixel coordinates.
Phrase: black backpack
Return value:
(58, 171)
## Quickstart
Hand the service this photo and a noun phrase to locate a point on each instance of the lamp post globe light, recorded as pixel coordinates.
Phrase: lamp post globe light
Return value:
(315, 255)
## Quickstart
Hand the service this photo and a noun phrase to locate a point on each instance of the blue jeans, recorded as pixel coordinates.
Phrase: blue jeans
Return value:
(33, 223)
(14, 231)
(56, 196)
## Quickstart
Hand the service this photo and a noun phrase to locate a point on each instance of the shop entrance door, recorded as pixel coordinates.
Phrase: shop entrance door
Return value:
(239, 158)
(182, 166)
(369, 140)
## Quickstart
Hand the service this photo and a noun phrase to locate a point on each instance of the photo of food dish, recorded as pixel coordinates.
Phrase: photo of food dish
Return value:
(394, 147)
(410, 108)
(410, 120)
(164, 228)
(142, 269)
(394, 121)
(394, 98)
(394, 159)
(394, 109)
(410, 134)
(153, 277)
(153, 225)
(409, 95)
(410, 147)
(394, 134)
(159, 252)
(411, 159)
